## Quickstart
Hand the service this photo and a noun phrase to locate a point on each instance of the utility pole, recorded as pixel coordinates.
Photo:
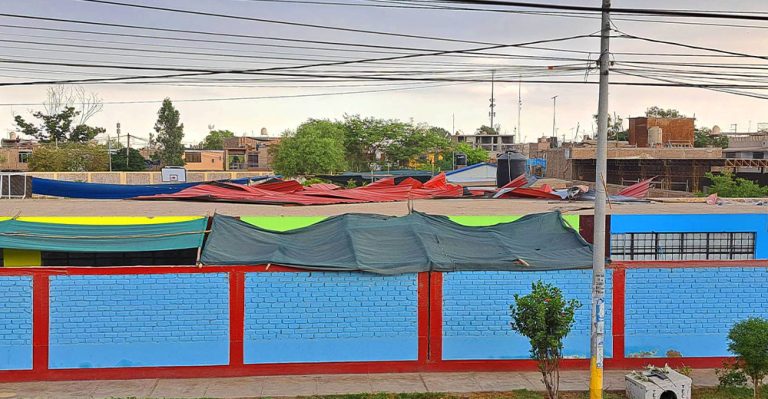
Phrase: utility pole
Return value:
(597, 339)
(519, 108)
(453, 124)
(554, 116)
(492, 113)
(127, 148)
(109, 151)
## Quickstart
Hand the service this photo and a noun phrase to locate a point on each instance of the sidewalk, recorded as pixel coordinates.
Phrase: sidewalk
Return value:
(304, 385)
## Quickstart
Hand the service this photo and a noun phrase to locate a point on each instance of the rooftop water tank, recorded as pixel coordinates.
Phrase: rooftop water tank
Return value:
(510, 165)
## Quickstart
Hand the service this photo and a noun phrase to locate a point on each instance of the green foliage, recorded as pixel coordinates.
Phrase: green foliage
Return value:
(57, 127)
(658, 112)
(748, 340)
(731, 375)
(316, 147)
(169, 135)
(484, 129)
(314, 180)
(215, 139)
(474, 155)
(136, 162)
(702, 137)
(616, 129)
(69, 157)
(364, 138)
(725, 185)
(545, 317)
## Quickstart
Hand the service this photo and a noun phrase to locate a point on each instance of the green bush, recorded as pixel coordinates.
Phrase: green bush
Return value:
(725, 185)
(545, 317)
(748, 340)
(731, 375)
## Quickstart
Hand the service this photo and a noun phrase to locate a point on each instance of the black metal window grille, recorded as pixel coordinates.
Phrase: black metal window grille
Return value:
(683, 246)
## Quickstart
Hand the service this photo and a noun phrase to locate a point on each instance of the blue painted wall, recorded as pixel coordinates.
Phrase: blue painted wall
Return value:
(330, 317)
(757, 223)
(139, 320)
(476, 313)
(16, 323)
(690, 310)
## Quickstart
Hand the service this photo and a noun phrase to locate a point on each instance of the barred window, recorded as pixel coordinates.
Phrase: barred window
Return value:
(683, 246)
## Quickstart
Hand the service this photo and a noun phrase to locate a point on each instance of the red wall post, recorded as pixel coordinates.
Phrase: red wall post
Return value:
(617, 324)
(40, 314)
(423, 317)
(236, 317)
(435, 317)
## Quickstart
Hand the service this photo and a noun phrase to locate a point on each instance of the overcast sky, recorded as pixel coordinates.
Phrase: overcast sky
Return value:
(467, 103)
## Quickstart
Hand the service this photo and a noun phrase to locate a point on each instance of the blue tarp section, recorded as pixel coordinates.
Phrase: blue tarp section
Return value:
(60, 188)
(34, 236)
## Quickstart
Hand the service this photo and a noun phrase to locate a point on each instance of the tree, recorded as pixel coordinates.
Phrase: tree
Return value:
(748, 340)
(474, 155)
(136, 162)
(545, 318)
(414, 143)
(215, 139)
(658, 112)
(61, 97)
(616, 129)
(69, 157)
(702, 137)
(486, 130)
(58, 127)
(316, 147)
(725, 185)
(364, 138)
(169, 135)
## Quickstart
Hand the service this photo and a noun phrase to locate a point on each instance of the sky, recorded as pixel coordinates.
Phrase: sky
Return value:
(459, 105)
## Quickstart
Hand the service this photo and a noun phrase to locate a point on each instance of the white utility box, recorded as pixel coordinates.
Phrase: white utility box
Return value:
(658, 383)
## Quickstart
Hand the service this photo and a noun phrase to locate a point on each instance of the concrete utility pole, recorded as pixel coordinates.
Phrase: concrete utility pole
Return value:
(554, 116)
(597, 340)
(518, 139)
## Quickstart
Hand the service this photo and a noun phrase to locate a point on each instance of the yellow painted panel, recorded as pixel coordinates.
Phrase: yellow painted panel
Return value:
(107, 220)
(21, 258)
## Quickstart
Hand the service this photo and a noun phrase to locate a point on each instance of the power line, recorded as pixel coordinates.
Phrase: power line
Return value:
(201, 72)
(289, 23)
(616, 10)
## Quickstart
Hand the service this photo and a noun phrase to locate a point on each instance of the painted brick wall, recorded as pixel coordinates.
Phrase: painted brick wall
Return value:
(139, 320)
(16, 323)
(330, 317)
(690, 310)
(476, 313)
(757, 223)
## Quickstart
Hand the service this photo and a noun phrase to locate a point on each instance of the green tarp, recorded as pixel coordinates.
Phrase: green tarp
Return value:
(15, 234)
(392, 245)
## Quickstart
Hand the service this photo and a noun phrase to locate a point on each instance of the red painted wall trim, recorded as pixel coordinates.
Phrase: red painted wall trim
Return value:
(236, 317)
(678, 264)
(618, 309)
(436, 318)
(423, 317)
(27, 271)
(40, 313)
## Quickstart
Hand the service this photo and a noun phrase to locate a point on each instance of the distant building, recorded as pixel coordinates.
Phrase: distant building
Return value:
(680, 169)
(15, 153)
(204, 160)
(661, 132)
(494, 144)
(248, 153)
(747, 155)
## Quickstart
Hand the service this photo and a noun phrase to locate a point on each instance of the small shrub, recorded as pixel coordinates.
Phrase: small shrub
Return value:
(545, 317)
(748, 339)
(684, 370)
(314, 180)
(731, 375)
(674, 353)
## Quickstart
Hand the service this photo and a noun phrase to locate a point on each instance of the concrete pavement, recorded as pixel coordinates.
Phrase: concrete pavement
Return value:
(304, 385)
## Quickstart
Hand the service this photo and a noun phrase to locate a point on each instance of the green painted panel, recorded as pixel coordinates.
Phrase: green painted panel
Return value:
(284, 223)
